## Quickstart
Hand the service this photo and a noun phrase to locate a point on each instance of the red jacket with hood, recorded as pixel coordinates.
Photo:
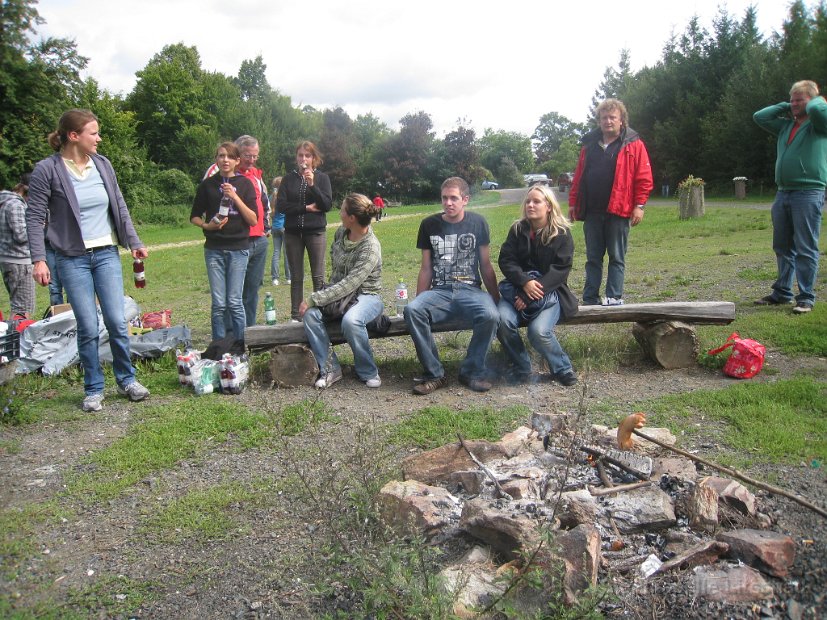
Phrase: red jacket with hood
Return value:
(633, 176)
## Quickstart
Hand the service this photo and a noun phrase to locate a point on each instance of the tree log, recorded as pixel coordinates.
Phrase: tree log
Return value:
(698, 313)
(293, 365)
(672, 344)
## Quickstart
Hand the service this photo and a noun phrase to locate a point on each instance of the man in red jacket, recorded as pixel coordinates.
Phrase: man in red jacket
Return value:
(611, 185)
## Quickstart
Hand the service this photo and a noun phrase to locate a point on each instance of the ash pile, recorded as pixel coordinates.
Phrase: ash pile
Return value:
(602, 519)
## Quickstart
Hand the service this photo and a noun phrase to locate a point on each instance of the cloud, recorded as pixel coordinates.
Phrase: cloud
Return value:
(499, 65)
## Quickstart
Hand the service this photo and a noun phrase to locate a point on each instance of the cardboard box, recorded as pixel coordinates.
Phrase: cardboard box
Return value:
(58, 309)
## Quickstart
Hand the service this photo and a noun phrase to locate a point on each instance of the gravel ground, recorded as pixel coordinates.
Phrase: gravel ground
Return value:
(271, 562)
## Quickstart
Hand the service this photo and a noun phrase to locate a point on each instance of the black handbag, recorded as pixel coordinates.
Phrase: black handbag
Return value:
(335, 310)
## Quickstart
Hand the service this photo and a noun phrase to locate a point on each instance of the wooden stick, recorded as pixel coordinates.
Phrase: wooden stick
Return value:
(604, 478)
(618, 489)
(612, 461)
(614, 527)
(485, 470)
(736, 474)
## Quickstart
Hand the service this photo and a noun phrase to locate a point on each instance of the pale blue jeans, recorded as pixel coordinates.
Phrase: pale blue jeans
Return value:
(367, 308)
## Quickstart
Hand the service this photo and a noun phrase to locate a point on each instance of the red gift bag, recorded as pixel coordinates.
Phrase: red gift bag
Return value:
(747, 357)
(157, 320)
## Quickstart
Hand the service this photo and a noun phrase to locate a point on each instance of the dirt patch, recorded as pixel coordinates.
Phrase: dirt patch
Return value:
(100, 557)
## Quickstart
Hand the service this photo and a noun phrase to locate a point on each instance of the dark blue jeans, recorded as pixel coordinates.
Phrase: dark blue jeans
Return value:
(605, 233)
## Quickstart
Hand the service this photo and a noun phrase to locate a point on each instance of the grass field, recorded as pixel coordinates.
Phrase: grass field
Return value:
(180, 474)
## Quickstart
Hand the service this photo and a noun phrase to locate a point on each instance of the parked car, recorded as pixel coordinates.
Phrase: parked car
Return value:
(490, 185)
(564, 181)
(536, 179)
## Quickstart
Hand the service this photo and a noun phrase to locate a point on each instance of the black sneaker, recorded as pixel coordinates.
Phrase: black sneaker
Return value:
(567, 378)
(802, 307)
(770, 300)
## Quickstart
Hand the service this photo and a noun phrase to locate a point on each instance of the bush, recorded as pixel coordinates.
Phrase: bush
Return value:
(508, 175)
(148, 206)
(175, 186)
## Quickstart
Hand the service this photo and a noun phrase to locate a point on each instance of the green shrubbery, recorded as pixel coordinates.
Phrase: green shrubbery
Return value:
(164, 198)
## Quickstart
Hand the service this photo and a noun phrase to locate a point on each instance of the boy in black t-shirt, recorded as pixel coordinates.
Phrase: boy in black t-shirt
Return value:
(455, 262)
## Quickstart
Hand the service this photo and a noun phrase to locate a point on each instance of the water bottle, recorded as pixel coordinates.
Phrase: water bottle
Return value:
(138, 273)
(401, 297)
(269, 309)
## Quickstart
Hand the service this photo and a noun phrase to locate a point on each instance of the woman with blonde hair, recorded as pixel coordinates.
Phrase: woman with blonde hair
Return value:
(536, 259)
(356, 259)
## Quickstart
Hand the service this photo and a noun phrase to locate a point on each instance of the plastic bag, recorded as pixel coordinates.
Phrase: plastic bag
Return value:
(186, 360)
(747, 356)
(206, 376)
(235, 370)
(156, 320)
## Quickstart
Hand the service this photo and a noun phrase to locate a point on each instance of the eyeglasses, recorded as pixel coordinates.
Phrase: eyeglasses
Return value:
(250, 157)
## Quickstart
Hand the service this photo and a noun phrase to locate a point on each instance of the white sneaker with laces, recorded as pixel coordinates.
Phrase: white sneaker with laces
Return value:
(374, 383)
(613, 301)
(329, 379)
(92, 402)
(135, 391)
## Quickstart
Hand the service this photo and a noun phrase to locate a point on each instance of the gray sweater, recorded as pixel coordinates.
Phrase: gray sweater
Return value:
(50, 188)
(356, 266)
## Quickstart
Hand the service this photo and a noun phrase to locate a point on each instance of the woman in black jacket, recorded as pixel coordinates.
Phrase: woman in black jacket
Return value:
(305, 196)
(536, 260)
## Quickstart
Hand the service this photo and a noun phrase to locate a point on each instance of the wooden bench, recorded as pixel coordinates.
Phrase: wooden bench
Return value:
(664, 330)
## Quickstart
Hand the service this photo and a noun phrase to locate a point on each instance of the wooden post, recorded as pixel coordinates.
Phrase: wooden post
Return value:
(740, 189)
(672, 344)
(692, 202)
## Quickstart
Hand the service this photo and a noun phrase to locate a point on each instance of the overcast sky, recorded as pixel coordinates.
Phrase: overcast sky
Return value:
(495, 64)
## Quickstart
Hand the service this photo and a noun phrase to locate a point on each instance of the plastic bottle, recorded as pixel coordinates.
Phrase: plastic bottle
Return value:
(401, 297)
(138, 273)
(269, 309)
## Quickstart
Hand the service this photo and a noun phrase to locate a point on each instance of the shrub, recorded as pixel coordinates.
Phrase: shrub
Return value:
(175, 186)
(147, 205)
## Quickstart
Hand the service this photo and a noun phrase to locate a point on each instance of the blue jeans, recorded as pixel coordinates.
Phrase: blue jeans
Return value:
(278, 243)
(448, 304)
(225, 270)
(254, 278)
(605, 233)
(98, 273)
(540, 334)
(796, 224)
(55, 286)
(353, 329)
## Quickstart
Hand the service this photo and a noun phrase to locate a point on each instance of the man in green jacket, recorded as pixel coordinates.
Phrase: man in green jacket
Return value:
(801, 177)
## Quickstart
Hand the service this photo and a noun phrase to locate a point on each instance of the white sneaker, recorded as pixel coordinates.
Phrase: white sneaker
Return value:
(134, 391)
(613, 301)
(329, 379)
(92, 402)
(275, 281)
(374, 383)
(287, 280)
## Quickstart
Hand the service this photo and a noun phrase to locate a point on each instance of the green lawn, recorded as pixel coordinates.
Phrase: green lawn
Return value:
(724, 256)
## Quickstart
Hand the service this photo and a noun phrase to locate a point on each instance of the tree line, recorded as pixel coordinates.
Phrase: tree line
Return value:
(693, 109)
